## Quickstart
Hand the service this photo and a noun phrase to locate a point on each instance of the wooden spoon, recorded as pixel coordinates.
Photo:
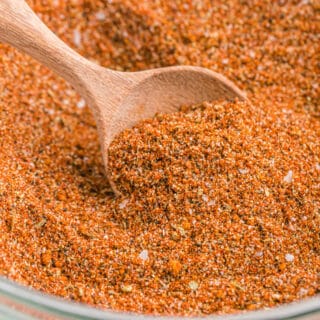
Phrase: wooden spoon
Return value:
(118, 99)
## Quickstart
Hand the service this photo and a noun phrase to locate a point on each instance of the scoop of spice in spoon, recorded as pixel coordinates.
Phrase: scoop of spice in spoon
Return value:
(118, 99)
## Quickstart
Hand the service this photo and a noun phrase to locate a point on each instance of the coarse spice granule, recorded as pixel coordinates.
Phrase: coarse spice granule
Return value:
(234, 227)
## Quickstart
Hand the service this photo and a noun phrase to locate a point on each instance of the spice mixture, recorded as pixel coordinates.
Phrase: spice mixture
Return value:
(220, 211)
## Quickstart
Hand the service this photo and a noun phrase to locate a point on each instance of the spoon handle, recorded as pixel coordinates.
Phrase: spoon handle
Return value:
(21, 28)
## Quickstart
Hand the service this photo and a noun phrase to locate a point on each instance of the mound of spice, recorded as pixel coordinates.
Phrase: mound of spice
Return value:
(230, 193)
(185, 243)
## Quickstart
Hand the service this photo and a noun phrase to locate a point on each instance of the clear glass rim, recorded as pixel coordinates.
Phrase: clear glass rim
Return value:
(59, 306)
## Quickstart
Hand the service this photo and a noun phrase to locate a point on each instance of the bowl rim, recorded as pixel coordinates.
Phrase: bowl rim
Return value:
(58, 306)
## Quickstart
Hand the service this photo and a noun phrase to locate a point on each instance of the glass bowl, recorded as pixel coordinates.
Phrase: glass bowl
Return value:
(18, 302)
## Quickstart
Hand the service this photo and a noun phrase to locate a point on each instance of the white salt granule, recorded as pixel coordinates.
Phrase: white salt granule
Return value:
(289, 257)
(77, 38)
(81, 104)
(259, 254)
(252, 54)
(100, 16)
(289, 177)
(205, 198)
(193, 285)
(123, 204)
(143, 255)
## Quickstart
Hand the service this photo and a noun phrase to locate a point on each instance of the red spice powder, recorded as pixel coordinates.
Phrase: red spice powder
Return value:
(227, 195)
(234, 211)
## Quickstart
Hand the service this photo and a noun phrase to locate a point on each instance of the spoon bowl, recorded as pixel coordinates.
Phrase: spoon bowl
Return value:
(118, 100)
(163, 90)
